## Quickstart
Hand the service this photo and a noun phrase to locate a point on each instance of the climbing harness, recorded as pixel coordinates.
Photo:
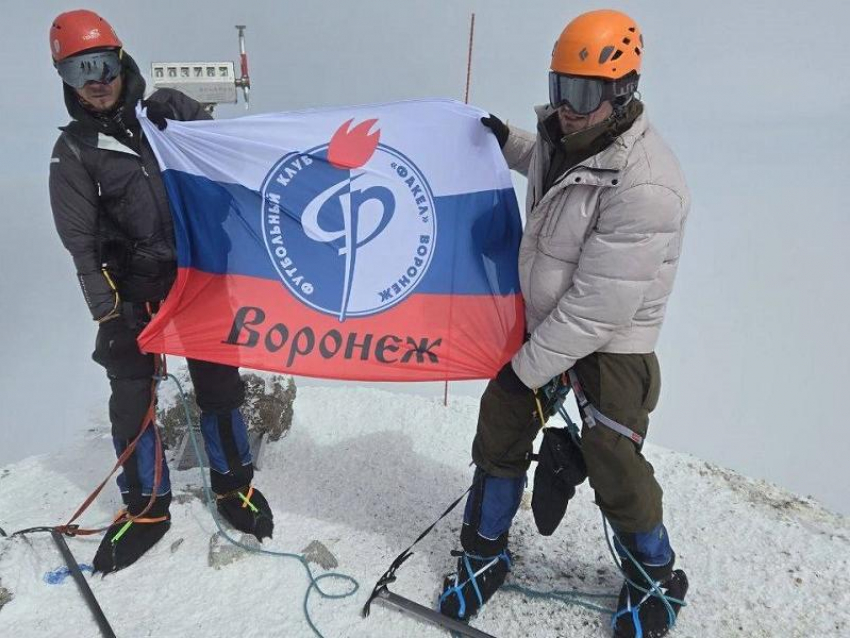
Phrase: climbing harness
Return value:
(592, 417)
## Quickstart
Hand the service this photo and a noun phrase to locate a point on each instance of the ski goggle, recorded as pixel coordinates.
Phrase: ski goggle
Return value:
(98, 66)
(584, 95)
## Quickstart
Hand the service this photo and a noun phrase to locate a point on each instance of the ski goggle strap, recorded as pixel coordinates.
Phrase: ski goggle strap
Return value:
(583, 95)
(98, 66)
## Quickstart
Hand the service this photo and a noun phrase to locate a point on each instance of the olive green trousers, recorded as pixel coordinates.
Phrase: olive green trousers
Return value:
(623, 387)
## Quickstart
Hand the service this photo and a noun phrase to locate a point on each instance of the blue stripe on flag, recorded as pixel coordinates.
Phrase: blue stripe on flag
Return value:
(482, 228)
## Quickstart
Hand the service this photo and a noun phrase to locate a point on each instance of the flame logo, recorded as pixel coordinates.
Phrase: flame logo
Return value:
(353, 148)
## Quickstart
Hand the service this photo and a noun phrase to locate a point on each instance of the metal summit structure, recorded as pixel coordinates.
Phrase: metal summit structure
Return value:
(210, 83)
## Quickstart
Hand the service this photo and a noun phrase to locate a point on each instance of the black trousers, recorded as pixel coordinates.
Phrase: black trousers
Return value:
(218, 387)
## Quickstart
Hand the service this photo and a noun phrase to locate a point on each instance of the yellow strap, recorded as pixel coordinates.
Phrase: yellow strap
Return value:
(539, 408)
(247, 499)
(114, 312)
(109, 279)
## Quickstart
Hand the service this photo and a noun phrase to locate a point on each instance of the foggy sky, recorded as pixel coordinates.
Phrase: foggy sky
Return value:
(753, 98)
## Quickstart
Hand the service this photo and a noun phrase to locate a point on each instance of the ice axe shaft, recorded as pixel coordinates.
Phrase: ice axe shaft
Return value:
(407, 606)
(85, 590)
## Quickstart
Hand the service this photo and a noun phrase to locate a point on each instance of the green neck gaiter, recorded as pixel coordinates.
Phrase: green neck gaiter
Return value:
(570, 150)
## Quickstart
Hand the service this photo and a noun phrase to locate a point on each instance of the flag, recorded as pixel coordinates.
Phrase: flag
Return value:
(373, 242)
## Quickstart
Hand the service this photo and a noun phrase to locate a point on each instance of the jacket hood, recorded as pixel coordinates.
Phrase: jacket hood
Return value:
(133, 91)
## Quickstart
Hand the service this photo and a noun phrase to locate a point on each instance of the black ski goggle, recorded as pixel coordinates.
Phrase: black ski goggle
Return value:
(98, 66)
(584, 95)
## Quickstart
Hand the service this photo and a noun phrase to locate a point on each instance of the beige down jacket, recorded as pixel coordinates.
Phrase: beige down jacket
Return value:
(599, 252)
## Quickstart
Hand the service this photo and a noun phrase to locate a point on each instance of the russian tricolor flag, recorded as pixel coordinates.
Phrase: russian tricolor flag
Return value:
(374, 242)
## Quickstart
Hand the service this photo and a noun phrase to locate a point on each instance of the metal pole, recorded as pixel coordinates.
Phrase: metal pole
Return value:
(469, 57)
(85, 590)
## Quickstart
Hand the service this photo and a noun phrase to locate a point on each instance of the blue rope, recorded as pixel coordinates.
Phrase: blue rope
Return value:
(472, 579)
(568, 597)
(314, 580)
(634, 612)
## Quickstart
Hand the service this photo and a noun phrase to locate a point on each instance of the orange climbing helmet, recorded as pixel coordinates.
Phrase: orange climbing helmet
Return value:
(76, 31)
(602, 44)
(597, 57)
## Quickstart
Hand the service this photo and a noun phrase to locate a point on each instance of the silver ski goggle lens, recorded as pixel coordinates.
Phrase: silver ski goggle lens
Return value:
(584, 95)
(99, 66)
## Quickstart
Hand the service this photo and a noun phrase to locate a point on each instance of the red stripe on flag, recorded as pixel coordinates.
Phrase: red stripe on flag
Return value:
(256, 323)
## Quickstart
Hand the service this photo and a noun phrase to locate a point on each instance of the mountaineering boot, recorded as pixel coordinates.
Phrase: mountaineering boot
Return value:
(125, 540)
(476, 580)
(646, 615)
(485, 561)
(652, 593)
(231, 473)
(248, 511)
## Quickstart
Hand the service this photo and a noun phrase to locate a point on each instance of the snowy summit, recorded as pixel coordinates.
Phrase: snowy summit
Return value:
(360, 474)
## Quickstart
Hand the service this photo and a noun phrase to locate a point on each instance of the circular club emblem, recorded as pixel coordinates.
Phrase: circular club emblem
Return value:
(349, 225)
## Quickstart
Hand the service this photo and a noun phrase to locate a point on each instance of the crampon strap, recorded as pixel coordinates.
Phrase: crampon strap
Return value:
(457, 588)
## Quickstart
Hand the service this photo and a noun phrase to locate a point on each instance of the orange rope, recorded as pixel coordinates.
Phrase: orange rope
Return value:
(69, 528)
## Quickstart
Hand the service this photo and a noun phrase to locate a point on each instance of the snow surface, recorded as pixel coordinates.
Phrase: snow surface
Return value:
(363, 471)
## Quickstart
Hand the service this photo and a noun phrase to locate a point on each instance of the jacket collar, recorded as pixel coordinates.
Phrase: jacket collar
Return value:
(614, 156)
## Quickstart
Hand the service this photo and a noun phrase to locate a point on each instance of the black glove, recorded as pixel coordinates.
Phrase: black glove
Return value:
(560, 468)
(497, 127)
(509, 381)
(159, 113)
(115, 341)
